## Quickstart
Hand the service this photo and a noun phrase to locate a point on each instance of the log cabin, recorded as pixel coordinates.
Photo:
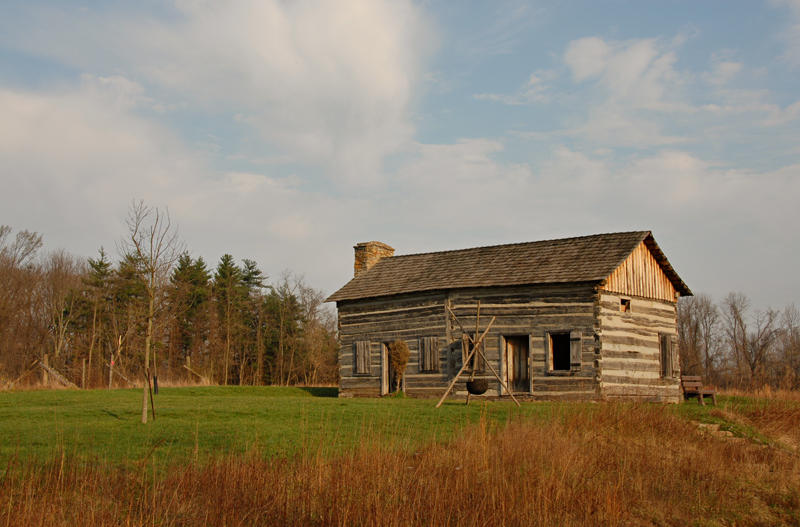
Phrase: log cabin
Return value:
(584, 318)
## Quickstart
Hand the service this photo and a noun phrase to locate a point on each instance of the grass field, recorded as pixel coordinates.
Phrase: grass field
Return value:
(199, 422)
(291, 456)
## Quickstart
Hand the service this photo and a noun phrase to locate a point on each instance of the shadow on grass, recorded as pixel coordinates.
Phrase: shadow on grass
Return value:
(318, 391)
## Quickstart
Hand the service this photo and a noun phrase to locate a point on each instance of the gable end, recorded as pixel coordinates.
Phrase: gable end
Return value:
(646, 273)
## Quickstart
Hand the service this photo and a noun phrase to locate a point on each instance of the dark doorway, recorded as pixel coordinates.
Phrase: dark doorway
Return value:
(517, 372)
(389, 377)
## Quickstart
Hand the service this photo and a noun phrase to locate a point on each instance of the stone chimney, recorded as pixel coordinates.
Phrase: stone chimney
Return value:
(368, 254)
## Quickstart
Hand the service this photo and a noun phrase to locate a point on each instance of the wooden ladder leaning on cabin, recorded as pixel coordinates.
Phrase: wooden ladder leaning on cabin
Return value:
(693, 387)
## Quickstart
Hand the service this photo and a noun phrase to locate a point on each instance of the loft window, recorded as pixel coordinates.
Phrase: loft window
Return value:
(564, 349)
(624, 304)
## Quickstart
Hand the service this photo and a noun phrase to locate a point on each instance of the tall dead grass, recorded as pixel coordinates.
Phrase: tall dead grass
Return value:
(607, 464)
(765, 392)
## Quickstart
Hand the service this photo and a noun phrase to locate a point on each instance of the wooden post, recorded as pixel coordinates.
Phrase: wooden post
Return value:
(455, 379)
(475, 349)
(466, 362)
(110, 369)
(475, 359)
(83, 374)
(155, 377)
(152, 404)
(45, 375)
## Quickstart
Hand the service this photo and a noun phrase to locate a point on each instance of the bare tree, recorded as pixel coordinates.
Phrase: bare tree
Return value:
(23, 325)
(318, 336)
(286, 318)
(153, 242)
(699, 335)
(62, 280)
(751, 344)
(788, 343)
(21, 251)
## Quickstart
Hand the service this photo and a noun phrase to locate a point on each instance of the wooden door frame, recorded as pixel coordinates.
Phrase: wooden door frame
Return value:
(503, 353)
(384, 369)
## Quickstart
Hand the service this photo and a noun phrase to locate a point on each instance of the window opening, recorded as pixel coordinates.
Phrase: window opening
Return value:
(559, 347)
(624, 304)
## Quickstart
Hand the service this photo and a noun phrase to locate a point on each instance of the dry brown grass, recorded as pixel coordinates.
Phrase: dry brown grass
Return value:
(608, 464)
(779, 420)
(765, 392)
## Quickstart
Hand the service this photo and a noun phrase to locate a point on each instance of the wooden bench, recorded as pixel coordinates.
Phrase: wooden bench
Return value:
(693, 387)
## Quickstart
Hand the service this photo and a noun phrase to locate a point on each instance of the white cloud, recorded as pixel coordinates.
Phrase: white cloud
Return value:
(614, 125)
(637, 85)
(636, 73)
(702, 212)
(536, 90)
(723, 71)
(328, 82)
(74, 159)
(587, 57)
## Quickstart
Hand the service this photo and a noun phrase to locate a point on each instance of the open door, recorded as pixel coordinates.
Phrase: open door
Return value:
(384, 369)
(389, 382)
(517, 355)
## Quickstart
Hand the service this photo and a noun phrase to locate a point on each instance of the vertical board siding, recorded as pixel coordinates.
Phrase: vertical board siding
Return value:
(429, 355)
(641, 275)
(361, 350)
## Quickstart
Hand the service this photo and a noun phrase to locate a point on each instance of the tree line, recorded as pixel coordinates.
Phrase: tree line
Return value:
(156, 312)
(733, 345)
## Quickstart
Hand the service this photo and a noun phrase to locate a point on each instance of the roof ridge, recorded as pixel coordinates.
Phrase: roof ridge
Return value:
(516, 244)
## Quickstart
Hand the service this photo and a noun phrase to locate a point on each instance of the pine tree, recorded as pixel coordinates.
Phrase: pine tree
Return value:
(98, 286)
(230, 292)
(253, 280)
(189, 293)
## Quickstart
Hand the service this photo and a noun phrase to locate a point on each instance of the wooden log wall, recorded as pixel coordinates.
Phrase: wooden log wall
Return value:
(525, 310)
(629, 364)
(381, 321)
(641, 275)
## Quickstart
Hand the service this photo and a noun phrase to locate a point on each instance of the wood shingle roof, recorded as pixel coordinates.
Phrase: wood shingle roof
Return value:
(580, 259)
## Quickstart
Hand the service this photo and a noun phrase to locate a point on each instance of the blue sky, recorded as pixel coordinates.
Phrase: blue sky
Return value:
(288, 131)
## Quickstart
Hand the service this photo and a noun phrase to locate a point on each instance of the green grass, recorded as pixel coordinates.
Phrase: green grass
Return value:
(730, 414)
(195, 423)
(66, 455)
(199, 422)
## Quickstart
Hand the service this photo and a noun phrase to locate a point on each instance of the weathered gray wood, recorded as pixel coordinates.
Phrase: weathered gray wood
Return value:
(575, 349)
(428, 358)
(476, 348)
(530, 362)
(362, 362)
(519, 310)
